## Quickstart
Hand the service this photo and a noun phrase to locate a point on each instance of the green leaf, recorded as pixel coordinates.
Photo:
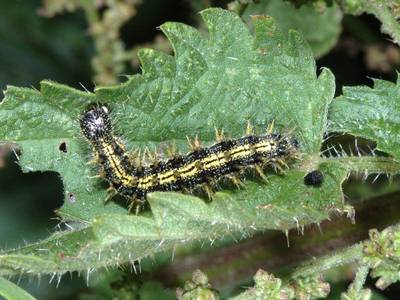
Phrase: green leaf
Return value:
(9, 290)
(39, 122)
(371, 113)
(385, 11)
(304, 19)
(221, 80)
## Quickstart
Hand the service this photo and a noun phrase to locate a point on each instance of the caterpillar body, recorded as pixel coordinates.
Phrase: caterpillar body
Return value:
(200, 167)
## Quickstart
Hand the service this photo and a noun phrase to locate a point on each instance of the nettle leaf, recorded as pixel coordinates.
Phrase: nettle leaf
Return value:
(304, 19)
(372, 113)
(221, 80)
(39, 122)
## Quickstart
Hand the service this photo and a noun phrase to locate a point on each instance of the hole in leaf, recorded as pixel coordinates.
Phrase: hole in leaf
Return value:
(63, 147)
(71, 197)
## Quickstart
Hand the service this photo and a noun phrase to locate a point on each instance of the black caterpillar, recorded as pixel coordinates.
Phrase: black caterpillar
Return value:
(200, 167)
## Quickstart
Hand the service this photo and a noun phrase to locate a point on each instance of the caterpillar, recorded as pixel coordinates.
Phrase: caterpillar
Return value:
(199, 168)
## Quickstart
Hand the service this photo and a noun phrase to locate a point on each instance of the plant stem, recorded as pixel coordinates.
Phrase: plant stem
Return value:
(360, 278)
(270, 252)
(108, 63)
(340, 258)
(369, 164)
(91, 13)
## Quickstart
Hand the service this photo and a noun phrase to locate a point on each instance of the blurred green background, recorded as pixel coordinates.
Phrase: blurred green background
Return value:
(60, 48)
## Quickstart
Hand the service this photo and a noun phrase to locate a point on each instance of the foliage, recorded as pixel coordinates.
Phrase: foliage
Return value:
(104, 27)
(387, 12)
(380, 253)
(369, 112)
(222, 79)
(197, 288)
(167, 96)
(9, 290)
(288, 17)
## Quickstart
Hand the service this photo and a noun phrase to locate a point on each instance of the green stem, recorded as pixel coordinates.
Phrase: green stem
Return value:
(369, 164)
(104, 30)
(340, 258)
(91, 13)
(270, 252)
(360, 278)
(361, 164)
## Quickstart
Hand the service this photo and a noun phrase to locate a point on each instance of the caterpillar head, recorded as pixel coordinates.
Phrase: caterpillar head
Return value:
(95, 123)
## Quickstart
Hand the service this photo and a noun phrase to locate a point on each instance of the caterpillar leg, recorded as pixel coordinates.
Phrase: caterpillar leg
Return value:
(111, 192)
(150, 156)
(277, 167)
(282, 163)
(235, 179)
(171, 150)
(270, 128)
(208, 187)
(93, 161)
(101, 174)
(219, 135)
(260, 172)
(208, 190)
(135, 157)
(249, 128)
(135, 204)
(195, 144)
